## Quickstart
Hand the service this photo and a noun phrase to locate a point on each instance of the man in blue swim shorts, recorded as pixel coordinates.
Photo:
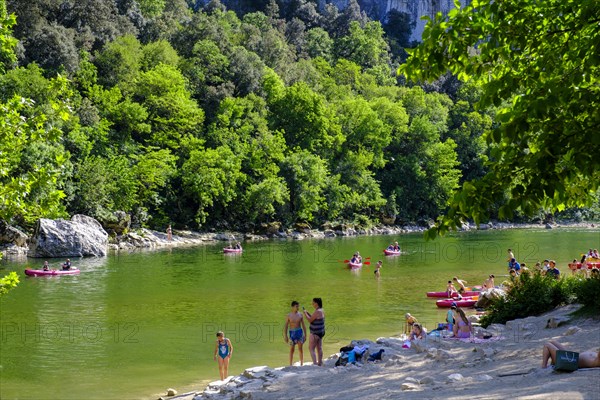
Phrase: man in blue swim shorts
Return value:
(294, 331)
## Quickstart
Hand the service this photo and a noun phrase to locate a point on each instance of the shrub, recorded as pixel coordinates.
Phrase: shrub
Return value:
(531, 294)
(588, 293)
(534, 294)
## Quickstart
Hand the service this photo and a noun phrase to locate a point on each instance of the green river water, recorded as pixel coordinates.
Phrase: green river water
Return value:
(132, 324)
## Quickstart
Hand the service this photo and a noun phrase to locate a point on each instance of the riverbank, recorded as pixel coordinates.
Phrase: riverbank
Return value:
(147, 239)
(507, 365)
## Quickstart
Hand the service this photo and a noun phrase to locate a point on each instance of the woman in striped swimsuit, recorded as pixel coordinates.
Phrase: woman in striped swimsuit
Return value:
(317, 330)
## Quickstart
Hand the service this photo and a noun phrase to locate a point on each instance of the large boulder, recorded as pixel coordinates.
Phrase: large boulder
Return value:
(118, 222)
(10, 234)
(486, 297)
(12, 240)
(81, 236)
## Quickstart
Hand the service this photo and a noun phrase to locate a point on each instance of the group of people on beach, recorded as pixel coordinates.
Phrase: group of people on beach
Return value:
(456, 321)
(294, 333)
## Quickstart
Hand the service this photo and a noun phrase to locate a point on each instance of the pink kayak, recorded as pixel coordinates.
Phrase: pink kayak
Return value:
(465, 302)
(228, 250)
(52, 272)
(391, 252)
(589, 264)
(445, 294)
(355, 265)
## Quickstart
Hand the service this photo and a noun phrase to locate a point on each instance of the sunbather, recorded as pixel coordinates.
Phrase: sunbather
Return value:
(587, 359)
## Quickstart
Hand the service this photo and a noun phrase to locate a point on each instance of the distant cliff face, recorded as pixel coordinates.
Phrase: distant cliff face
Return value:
(377, 9)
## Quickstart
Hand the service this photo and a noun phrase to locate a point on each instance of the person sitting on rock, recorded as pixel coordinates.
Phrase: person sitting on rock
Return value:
(489, 283)
(587, 359)
(66, 265)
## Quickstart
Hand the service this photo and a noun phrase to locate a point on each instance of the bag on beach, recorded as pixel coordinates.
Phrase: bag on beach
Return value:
(342, 360)
(566, 360)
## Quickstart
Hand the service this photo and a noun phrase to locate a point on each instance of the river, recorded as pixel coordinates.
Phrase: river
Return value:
(132, 324)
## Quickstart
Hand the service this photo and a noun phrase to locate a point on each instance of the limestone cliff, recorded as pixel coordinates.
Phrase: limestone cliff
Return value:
(377, 9)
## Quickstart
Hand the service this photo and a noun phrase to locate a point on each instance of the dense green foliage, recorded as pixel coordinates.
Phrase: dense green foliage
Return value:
(539, 62)
(209, 119)
(8, 282)
(535, 294)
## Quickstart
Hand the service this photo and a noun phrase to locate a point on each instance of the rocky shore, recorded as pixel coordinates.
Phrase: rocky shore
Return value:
(84, 236)
(504, 366)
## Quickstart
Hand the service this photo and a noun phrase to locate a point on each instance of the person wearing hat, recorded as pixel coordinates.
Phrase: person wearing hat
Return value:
(410, 321)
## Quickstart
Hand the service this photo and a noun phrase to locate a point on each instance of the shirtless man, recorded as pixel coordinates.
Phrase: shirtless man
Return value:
(587, 359)
(450, 289)
(294, 325)
(461, 284)
(489, 283)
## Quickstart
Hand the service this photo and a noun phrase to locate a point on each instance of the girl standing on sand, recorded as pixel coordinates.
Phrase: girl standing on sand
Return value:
(224, 349)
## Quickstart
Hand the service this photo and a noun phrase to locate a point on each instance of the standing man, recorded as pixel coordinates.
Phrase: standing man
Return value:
(294, 326)
(169, 233)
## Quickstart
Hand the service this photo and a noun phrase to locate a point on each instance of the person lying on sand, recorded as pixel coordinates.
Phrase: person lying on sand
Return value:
(418, 332)
(587, 359)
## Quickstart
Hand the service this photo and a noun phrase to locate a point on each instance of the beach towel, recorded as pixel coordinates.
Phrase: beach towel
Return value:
(476, 339)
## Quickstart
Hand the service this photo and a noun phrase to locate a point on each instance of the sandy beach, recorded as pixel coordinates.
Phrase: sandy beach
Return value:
(506, 366)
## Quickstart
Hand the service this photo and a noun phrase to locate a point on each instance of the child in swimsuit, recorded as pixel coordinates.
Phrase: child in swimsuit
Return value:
(377, 268)
(224, 349)
(294, 326)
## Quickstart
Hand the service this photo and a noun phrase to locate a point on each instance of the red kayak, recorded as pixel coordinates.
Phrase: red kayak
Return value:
(445, 294)
(589, 264)
(228, 250)
(355, 265)
(391, 252)
(465, 302)
(52, 272)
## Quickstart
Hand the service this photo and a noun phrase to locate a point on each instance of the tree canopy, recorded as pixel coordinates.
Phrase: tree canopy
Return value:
(208, 119)
(539, 63)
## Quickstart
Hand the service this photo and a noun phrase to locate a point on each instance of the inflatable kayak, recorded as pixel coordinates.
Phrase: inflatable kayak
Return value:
(391, 252)
(465, 302)
(228, 250)
(445, 294)
(52, 272)
(355, 265)
(589, 264)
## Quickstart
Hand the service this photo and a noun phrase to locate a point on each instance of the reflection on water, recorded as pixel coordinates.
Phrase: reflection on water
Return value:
(134, 323)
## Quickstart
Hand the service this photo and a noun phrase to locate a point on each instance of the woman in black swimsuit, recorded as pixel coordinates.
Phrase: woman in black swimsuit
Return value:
(317, 330)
